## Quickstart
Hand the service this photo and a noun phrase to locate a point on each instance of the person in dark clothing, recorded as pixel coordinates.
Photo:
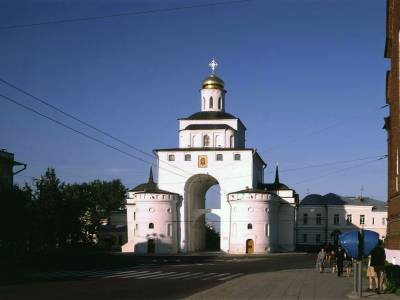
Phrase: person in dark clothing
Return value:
(378, 258)
(339, 260)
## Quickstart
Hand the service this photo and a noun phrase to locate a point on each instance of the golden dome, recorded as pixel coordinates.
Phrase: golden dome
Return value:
(213, 82)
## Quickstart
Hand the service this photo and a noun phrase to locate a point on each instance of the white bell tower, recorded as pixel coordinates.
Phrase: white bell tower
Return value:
(213, 92)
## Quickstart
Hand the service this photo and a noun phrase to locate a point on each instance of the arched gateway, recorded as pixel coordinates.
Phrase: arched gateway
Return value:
(211, 151)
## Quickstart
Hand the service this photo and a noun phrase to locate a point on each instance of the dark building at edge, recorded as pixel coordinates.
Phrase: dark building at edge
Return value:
(392, 125)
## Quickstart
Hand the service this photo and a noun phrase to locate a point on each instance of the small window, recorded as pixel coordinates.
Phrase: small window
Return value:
(318, 220)
(318, 238)
(188, 157)
(220, 157)
(236, 156)
(134, 216)
(305, 219)
(362, 219)
(336, 219)
(266, 229)
(219, 102)
(304, 238)
(349, 219)
(249, 226)
(211, 102)
(171, 157)
(151, 225)
(169, 230)
(383, 221)
(373, 221)
(206, 141)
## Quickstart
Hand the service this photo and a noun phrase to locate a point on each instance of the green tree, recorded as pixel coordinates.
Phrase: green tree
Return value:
(49, 210)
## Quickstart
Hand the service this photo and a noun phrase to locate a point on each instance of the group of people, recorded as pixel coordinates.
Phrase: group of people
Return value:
(340, 260)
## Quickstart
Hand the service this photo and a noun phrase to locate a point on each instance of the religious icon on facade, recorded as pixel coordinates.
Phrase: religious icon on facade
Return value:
(203, 161)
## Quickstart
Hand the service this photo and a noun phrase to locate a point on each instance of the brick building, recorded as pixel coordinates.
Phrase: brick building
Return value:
(392, 125)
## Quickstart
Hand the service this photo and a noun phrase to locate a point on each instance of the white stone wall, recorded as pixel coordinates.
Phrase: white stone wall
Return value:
(216, 95)
(259, 210)
(232, 175)
(194, 138)
(161, 211)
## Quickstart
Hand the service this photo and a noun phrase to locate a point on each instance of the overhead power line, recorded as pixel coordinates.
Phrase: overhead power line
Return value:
(340, 170)
(330, 163)
(123, 14)
(109, 135)
(79, 132)
(88, 136)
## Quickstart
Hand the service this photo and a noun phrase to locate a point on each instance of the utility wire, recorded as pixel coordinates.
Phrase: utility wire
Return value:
(109, 135)
(341, 170)
(89, 136)
(132, 13)
(329, 164)
(80, 132)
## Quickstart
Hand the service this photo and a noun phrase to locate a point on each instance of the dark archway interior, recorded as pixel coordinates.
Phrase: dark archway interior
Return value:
(196, 211)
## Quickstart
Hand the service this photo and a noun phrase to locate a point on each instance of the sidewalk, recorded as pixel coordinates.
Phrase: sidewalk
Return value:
(288, 284)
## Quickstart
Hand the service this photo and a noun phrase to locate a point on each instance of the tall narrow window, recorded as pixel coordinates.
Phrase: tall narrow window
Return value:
(336, 219)
(232, 141)
(362, 219)
(206, 141)
(267, 229)
(304, 238)
(318, 220)
(305, 219)
(211, 102)
(349, 220)
(383, 221)
(204, 103)
(373, 221)
(169, 230)
(219, 102)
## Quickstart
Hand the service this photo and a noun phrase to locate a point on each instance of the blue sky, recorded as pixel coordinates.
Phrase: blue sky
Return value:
(306, 77)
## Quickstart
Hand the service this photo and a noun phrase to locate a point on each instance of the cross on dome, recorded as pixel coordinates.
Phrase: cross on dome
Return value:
(213, 65)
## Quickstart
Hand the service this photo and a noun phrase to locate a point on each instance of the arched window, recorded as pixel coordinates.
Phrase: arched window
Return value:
(206, 141)
(219, 102)
(249, 226)
(232, 141)
(211, 102)
(204, 103)
(151, 225)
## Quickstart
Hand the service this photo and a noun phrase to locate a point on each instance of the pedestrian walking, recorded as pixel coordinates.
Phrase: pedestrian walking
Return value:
(321, 260)
(340, 260)
(347, 264)
(378, 258)
(372, 276)
(333, 261)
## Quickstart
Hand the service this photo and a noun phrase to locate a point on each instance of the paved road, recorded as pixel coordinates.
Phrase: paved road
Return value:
(171, 278)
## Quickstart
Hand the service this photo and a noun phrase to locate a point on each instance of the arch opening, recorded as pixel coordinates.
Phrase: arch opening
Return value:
(198, 215)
